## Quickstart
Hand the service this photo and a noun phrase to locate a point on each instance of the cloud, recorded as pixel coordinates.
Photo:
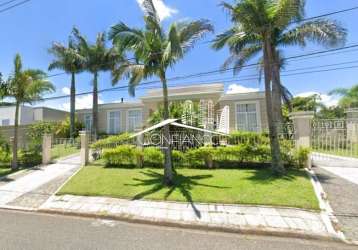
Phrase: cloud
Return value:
(163, 10)
(239, 89)
(327, 100)
(82, 102)
(66, 90)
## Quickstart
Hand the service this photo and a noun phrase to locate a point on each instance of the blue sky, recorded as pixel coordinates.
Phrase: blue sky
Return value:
(31, 28)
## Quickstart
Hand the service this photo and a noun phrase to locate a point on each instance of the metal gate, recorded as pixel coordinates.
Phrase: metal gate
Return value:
(336, 137)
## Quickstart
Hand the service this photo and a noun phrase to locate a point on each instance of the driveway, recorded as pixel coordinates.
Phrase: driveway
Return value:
(31, 189)
(339, 179)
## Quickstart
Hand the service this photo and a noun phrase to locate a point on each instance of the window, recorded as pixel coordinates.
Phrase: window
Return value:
(88, 122)
(5, 122)
(134, 120)
(246, 117)
(114, 122)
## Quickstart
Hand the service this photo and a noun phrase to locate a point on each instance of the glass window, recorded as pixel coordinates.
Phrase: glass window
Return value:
(88, 122)
(134, 120)
(114, 122)
(247, 117)
(5, 122)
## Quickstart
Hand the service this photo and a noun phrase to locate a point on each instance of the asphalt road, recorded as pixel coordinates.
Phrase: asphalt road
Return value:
(28, 231)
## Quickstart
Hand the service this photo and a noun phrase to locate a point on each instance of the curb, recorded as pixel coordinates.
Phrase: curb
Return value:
(212, 228)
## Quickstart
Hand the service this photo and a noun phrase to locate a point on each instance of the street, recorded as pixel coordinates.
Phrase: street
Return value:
(19, 230)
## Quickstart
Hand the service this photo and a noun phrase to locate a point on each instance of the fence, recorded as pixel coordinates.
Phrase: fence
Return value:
(338, 137)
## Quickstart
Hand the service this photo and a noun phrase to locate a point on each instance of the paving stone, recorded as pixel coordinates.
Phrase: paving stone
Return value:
(275, 221)
(254, 220)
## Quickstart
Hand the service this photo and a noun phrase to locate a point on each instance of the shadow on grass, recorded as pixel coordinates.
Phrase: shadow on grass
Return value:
(263, 176)
(182, 183)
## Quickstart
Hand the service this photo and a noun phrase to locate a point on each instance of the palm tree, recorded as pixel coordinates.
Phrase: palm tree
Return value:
(68, 59)
(25, 86)
(349, 97)
(97, 58)
(155, 51)
(262, 27)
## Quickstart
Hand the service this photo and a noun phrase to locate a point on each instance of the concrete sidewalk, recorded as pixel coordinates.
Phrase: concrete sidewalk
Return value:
(28, 183)
(287, 221)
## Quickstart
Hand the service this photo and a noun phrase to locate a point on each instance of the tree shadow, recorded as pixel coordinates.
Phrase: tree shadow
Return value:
(263, 176)
(184, 184)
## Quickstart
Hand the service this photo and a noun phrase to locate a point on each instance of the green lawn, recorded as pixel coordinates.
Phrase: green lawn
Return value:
(59, 151)
(5, 170)
(213, 186)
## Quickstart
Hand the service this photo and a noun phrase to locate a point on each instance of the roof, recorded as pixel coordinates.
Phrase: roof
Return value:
(173, 122)
(116, 105)
(243, 96)
(192, 90)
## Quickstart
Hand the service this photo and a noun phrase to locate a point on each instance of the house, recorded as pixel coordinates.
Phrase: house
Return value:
(29, 115)
(219, 111)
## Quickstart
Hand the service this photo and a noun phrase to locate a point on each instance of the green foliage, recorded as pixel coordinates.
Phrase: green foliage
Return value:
(201, 156)
(301, 157)
(36, 131)
(178, 158)
(124, 155)
(153, 157)
(349, 97)
(5, 156)
(63, 128)
(239, 137)
(30, 157)
(111, 140)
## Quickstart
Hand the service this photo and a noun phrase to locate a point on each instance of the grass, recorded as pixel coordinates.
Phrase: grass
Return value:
(59, 151)
(5, 170)
(240, 186)
(353, 152)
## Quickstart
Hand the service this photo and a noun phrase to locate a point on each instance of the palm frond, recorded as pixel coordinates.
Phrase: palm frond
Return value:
(326, 32)
(288, 11)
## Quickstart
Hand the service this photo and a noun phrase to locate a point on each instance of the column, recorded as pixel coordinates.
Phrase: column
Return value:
(46, 148)
(84, 135)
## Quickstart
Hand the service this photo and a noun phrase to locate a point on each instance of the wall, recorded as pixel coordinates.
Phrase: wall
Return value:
(26, 115)
(48, 114)
(8, 131)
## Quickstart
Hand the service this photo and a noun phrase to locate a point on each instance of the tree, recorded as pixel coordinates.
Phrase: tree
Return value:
(349, 97)
(68, 59)
(25, 86)
(262, 27)
(155, 51)
(97, 58)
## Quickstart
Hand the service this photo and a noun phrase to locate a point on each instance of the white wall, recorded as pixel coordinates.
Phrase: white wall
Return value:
(26, 115)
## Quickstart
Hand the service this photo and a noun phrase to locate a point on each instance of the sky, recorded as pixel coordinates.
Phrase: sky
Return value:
(30, 30)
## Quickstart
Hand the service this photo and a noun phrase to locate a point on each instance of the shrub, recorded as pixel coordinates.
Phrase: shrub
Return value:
(37, 130)
(30, 157)
(123, 155)
(301, 157)
(203, 156)
(244, 137)
(4, 151)
(153, 157)
(178, 158)
(110, 141)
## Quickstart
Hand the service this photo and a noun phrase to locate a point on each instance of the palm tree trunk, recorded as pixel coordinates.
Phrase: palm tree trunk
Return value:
(168, 167)
(14, 164)
(276, 87)
(277, 165)
(95, 107)
(73, 106)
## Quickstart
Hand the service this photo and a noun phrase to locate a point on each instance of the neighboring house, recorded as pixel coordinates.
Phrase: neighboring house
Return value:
(29, 115)
(220, 111)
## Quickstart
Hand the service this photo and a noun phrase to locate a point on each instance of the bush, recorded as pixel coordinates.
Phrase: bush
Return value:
(124, 155)
(203, 156)
(4, 151)
(111, 140)
(244, 137)
(153, 157)
(301, 157)
(30, 157)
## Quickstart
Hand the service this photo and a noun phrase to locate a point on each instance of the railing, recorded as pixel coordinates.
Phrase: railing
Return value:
(338, 137)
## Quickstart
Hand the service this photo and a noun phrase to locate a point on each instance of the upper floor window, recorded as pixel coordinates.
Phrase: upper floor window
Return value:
(246, 117)
(134, 120)
(114, 120)
(88, 122)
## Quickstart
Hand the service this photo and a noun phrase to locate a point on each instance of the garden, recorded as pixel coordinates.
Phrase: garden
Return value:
(238, 173)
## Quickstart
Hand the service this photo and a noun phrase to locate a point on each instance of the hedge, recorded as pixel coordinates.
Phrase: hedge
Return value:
(111, 141)
(205, 157)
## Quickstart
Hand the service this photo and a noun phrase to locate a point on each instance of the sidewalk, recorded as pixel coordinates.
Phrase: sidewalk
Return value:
(258, 219)
(28, 182)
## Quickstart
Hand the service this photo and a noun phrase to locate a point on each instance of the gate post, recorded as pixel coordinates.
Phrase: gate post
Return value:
(84, 135)
(302, 125)
(352, 125)
(46, 148)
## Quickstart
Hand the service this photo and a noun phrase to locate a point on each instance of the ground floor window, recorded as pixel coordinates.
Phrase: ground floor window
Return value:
(114, 121)
(134, 120)
(5, 122)
(247, 117)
